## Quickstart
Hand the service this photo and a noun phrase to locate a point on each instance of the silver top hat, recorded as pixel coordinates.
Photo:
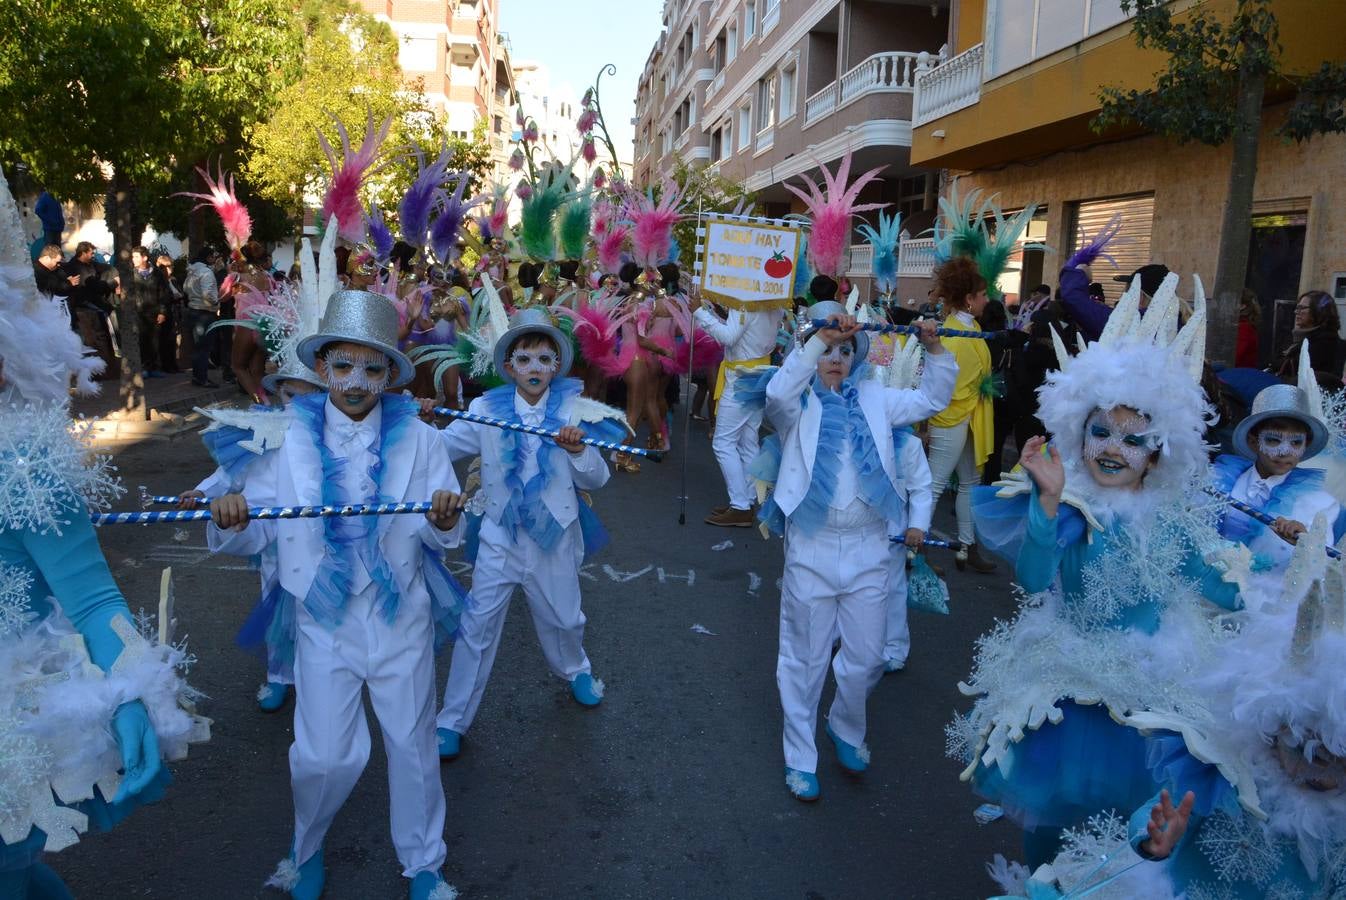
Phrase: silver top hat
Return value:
(533, 321)
(364, 318)
(1280, 401)
(830, 309)
(293, 370)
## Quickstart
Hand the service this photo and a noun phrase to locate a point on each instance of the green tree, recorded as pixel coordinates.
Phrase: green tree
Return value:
(107, 99)
(1212, 90)
(703, 192)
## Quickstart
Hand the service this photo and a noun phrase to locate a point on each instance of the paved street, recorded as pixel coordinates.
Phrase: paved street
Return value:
(672, 789)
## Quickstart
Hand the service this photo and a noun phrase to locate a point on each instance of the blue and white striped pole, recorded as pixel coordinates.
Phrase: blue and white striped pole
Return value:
(261, 512)
(928, 542)
(656, 455)
(1255, 513)
(885, 328)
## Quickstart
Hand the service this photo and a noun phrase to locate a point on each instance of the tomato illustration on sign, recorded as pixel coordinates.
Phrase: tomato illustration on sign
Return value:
(778, 266)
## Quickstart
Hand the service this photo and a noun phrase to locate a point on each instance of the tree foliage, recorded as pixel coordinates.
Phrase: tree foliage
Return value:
(704, 191)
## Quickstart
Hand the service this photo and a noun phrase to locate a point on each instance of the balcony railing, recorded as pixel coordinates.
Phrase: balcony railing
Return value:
(943, 88)
(916, 258)
(821, 104)
(683, 139)
(882, 73)
(714, 87)
(862, 261)
(770, 19)
(765, 138)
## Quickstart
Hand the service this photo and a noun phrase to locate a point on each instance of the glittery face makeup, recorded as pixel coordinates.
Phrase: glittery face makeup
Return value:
(533, 362)
(352, 368)
(835, 364)
(1279, 447)
(1118, 447)
(533, 366)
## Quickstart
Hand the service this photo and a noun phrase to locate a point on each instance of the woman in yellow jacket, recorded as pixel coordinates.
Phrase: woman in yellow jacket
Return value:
(962, 435)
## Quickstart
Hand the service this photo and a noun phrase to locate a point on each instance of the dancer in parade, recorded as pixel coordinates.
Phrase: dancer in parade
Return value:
(1116, 562)
(535, 528)
(370, 594)
(836, 499)
(90, 708)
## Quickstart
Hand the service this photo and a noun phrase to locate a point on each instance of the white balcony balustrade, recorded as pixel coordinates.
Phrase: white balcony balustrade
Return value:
(882, 73)
(946, 87)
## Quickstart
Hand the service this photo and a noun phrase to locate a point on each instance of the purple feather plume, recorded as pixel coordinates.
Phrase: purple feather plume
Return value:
(444, 231)
(1094, 249)
(422, 197)
(380, 236)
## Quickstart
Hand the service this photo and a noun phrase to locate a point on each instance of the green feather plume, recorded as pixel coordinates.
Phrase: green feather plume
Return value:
(536, 234)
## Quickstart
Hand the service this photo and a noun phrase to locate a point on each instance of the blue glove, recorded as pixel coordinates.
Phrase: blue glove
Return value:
(139, 747)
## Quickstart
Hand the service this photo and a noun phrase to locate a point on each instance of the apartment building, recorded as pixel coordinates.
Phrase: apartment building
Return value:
(1009, 111)
(456, 49)
(765, 91)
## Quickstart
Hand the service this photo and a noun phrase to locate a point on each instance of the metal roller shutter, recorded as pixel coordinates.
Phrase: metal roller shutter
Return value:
(1130, 249)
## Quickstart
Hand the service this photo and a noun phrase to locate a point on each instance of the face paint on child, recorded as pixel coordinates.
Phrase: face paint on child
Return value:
(835, 364)
(1276, 444)
(532, 363)
(357, 369)
(1118, 447)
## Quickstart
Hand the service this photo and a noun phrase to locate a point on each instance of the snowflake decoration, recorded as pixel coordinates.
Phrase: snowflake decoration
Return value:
(45, 459)
(24, 765)
(1284, 890)
(16, 586)
(1142, 565)
(1215, 891)
(1101, 835)
(1238, 849)
(145, 625)
(960, 738)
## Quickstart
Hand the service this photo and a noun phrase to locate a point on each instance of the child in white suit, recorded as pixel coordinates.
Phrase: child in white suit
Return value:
(837, 489)
(369, 593)
(533, 529)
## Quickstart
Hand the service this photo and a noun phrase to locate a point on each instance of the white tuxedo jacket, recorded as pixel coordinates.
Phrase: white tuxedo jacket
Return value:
(797, 415)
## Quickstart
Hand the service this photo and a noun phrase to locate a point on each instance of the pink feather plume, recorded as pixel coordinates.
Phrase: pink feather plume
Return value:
(596, 325)
(609, 248)
(704, 354)
(652, 225)
(831, 211)
(348, 172)
(233, 214)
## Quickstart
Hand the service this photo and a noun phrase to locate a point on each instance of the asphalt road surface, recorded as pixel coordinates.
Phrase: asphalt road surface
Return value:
(672, 789)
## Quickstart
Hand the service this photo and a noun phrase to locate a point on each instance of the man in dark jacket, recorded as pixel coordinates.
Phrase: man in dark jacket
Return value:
(149, 295)
(51, 276)
(91, 286)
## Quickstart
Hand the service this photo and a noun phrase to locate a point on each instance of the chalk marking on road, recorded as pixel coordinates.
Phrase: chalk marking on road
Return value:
(585, 573)
(623, 577)
(754, 582)
(690, 577)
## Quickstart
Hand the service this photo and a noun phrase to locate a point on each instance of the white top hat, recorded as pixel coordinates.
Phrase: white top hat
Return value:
(364, 318)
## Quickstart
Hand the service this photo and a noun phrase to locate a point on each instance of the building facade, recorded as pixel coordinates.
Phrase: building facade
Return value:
(456, 50)
(1009, 112)
(764, 91)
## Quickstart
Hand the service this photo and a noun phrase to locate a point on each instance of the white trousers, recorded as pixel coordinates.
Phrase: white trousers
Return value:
(836, 583)
(897, 642)
(331, 736)
(551, 585)
(951, 451)
(736, 445)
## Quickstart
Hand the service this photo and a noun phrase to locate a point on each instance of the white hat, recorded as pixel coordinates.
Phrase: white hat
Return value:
(364, 318)
(533, 321)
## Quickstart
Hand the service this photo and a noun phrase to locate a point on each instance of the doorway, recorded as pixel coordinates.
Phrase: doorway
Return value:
(1275, 260)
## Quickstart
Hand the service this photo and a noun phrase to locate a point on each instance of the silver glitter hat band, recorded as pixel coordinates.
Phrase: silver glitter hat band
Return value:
(359, 317)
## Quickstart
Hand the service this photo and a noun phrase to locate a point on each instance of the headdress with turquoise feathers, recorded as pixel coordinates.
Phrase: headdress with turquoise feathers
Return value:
(884, 240)
(977, 229)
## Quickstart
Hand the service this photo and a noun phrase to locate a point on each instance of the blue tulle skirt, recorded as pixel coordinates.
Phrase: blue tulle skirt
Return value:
(103, 816)
(1059, 775)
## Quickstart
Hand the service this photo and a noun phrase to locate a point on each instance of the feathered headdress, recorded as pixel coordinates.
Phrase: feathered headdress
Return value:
(493, 222)
(884, 241)
(576, 219)
(830, 209)
(233, 214)
(380, 236)
(425, 192)
(444, 231)
(652, 224)
(288, 315)
(536, 234)
(474, 349)
(966, 229)
(348, 172)
(1096, 247)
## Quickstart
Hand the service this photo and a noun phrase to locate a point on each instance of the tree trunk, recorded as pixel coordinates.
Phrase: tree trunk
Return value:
(125, 235)
(1231, 267)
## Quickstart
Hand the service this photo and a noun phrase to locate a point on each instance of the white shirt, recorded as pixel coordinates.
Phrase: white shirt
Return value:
(1255, 490)
(530, 414)
(745, 335)
(358, 444)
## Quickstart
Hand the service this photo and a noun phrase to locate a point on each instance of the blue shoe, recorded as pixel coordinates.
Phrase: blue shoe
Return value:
(301, 882)
(271, 696)
(804, 785)
(853, 759)
(432, 886)
(587, 690)
(450, 743)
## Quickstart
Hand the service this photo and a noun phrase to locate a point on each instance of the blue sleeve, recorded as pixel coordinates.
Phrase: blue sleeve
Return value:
(1214, 588)
(1041, 553)
(1089, 315)
(77, 575)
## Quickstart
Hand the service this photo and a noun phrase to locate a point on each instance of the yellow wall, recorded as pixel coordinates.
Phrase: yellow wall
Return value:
(1189, 186)
(1047, 105)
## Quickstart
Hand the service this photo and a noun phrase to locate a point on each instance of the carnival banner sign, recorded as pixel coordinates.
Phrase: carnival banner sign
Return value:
(748, 262)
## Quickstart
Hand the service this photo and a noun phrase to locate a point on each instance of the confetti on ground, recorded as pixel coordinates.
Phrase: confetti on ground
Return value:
(723, 545)
(702, 629)
(987, 813)
(180, 535)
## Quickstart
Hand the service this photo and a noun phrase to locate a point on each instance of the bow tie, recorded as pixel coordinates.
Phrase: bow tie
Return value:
(531, 415)
(355, 432)
(1259, 492)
